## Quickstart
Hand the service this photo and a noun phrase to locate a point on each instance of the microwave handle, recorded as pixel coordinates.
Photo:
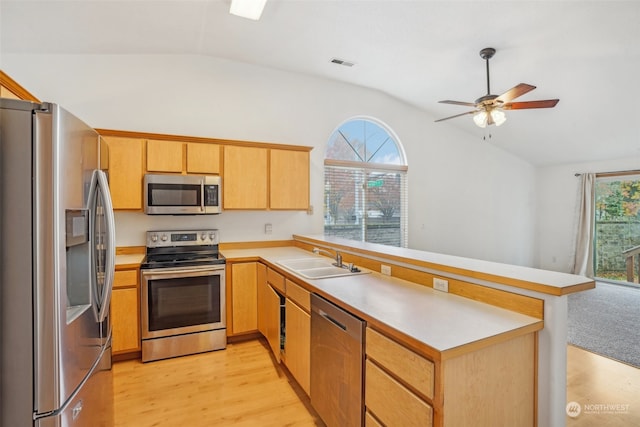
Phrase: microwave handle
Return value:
(202, 195)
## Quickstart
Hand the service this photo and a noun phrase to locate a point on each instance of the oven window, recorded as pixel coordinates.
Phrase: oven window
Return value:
(174, 195)
(180, 302)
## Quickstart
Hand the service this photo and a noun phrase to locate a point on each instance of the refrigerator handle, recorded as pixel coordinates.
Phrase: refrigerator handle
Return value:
(110, 246)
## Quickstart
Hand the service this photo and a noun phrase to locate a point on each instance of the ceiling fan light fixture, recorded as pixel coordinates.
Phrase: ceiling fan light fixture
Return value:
(481, 118)
(498, 116)
(250, 9)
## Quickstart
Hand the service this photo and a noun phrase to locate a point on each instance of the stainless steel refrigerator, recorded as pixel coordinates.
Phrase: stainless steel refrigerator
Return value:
(57, 256)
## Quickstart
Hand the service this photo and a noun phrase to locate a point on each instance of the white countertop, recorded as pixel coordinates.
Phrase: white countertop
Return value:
(545, 281)
(129, 260)
(443, 322)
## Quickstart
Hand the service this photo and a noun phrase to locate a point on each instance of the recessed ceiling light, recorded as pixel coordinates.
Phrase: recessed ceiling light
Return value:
(342, 62)
(250, 9)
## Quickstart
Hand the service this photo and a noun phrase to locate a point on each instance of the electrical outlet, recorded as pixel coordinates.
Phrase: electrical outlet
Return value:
(268, 229)
(440, 284)
(385, 269)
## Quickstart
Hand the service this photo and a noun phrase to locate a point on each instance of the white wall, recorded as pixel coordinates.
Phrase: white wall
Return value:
(466, 197)
(557, 217)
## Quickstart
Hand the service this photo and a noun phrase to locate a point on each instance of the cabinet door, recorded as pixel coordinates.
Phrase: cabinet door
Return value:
(6, 93)
(125, 309)
(203, 158)
(289, 179)
(244, 297)
(164, 156)
(263, 307)
(124, 320)
(297, 346)
(245, 178)
(125, 172)
(273, 321)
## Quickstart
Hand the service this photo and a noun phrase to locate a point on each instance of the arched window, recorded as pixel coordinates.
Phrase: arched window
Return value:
(365, 184)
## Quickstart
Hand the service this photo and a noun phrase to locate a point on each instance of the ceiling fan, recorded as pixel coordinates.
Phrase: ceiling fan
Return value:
(489, 109)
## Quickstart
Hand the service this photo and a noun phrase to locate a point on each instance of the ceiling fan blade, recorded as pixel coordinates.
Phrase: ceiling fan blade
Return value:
(547, 103)
(468, 104)
(515, 92)
(457, 115)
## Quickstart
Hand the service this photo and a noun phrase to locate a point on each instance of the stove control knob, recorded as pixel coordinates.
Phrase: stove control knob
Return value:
(212, 236)
(154, 237)
(203, 236)
(164, 238)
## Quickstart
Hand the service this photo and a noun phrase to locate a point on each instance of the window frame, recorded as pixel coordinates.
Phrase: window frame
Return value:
(366, 168)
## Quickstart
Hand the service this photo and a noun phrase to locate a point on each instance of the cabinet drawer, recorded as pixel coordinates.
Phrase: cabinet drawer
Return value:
(125, 278)
(276, 280)
(369, 421)
(392, 403)
(408, 366)
(298, 294)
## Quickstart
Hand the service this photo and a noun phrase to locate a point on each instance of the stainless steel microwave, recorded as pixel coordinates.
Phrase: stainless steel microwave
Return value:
(182, 194)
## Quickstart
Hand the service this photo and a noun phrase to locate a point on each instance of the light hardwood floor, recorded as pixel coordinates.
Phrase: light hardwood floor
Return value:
(239, 386)
(243, 386)
(594, 382)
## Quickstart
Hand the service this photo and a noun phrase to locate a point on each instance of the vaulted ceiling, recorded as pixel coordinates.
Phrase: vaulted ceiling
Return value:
(586, 53)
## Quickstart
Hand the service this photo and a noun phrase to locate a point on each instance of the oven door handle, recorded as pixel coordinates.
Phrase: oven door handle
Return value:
(169, 273)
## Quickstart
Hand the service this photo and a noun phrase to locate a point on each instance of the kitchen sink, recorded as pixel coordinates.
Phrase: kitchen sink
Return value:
(317, 268)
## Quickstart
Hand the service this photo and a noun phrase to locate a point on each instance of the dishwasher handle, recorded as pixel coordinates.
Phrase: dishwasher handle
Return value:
(332, 320)
(321, 309)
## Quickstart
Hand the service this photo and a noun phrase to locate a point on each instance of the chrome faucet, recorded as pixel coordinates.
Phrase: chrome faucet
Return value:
(338, 256)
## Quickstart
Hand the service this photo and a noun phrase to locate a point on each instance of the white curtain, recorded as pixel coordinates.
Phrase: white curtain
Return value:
(583, 260)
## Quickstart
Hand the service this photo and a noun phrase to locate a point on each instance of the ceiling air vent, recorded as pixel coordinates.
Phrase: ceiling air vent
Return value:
(342, 62)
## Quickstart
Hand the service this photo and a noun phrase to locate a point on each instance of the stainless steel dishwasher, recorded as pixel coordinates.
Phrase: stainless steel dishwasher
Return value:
(337, 357)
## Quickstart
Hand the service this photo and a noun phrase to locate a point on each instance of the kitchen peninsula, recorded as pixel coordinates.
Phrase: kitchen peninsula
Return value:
(521, 308)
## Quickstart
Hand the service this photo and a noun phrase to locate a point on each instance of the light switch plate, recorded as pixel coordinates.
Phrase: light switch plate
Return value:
(440, 284)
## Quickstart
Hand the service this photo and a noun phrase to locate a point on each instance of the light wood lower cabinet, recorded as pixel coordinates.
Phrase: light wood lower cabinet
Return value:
(490, 386)
(269, 313)
(263, 308)
(297, 323)
(392, 403)
(125, 311)
(243, 317)
(273, 329)
(297, 345)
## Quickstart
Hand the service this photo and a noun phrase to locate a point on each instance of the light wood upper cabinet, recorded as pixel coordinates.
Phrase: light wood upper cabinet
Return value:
(203, 158)
(245, 178)
(126, 171)
(255, 176)
(9, 88)
(183, 157)
(289, 179)
(6, 93)
(261, 178)
(164, 156)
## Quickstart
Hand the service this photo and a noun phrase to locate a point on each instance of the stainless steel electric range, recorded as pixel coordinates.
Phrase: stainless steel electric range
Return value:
(183, 294)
